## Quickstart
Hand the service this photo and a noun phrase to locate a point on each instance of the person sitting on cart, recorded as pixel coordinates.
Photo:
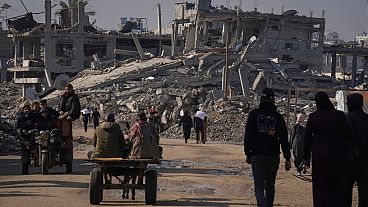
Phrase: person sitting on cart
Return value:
(143, 137)
(46, 122)
(25, 122)
(52, 112)
(69, 104)
(108, 139)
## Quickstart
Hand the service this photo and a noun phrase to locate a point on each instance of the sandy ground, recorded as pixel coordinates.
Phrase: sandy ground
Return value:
(212, 174)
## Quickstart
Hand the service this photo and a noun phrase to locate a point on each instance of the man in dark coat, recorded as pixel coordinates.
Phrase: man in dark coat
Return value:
(45, 122)
(359, 121)
(69, 104)
(96, 118)
(52, 112)
(296, 142)
(187, 123)
(326, 131)
(25, 121)
(265, 131)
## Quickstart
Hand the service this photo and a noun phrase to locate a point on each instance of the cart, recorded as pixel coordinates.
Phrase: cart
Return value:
(102, 174)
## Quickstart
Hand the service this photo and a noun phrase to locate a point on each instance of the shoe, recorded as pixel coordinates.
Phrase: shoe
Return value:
(186, 141)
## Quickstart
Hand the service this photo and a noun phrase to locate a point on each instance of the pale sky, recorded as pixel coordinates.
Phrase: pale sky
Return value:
(347, 17)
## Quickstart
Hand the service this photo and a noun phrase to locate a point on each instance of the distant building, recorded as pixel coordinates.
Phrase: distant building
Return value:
(288, 36)
(45, 54)
(333, 38)
(362, 39)
(140, 24)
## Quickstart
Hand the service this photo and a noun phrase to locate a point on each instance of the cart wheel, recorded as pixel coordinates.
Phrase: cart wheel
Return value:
(25, 168)
(25, 165)
(69, 167)
(151, 187)
(44, 164)
(95, 187)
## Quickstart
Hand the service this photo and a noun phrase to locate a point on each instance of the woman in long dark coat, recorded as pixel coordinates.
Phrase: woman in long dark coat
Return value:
(296, 141)
(186, 121)
(326, 131)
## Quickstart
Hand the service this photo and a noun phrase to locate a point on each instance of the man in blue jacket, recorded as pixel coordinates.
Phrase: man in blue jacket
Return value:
(265, 131)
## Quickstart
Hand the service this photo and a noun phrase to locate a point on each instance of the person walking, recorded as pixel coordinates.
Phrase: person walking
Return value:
(296, 142)
(359, 121)
(326, 131)
(96, 118)
(264, 132)
(186, 121)
(200, 126)
(86, 116)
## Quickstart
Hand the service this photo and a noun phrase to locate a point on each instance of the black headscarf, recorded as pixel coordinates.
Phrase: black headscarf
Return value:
(355, 102)
(323, 102)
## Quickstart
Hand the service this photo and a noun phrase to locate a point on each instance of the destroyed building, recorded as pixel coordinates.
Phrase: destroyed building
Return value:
(49, 54)
(220, 59)
(289, 36)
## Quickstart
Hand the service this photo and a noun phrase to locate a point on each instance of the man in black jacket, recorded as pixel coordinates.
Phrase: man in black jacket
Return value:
(25, 121)
(52, 112)
(359, 121)
(265, 131)
(69, 104)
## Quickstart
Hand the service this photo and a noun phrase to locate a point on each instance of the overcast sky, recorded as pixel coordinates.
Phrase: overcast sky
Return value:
(347, 17)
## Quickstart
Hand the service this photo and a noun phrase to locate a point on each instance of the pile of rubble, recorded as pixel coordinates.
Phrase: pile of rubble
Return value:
(9, 105)
(10, 99)
(189, 82)
(186, 83)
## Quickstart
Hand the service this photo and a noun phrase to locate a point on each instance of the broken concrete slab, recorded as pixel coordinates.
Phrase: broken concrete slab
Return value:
(191, 61)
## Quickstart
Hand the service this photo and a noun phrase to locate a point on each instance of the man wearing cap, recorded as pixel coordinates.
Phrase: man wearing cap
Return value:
(264, 132)
(108, 139)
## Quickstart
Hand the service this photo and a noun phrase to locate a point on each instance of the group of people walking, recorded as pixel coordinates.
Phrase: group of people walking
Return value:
(336, 143)
(199, 122)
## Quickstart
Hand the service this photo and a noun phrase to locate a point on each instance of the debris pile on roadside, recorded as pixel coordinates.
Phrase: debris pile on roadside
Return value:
(189, 82)
(9, 105)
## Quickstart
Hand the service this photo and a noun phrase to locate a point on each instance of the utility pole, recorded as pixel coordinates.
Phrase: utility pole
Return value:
(159, 19)
(354, 66)
(225, 78)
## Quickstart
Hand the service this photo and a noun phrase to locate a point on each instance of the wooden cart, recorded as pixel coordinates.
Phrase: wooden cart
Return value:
(106, 169)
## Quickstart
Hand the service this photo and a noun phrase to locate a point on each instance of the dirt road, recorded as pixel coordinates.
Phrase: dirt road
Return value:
(211, 174)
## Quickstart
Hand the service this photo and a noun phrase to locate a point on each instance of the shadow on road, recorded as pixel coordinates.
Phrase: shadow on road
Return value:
(41, 183)
(13, 167)
(202, 202)
(19, 194)
(210, 202)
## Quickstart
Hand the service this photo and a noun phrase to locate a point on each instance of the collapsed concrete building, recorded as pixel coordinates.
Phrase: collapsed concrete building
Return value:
(48, 55)
(288, 37)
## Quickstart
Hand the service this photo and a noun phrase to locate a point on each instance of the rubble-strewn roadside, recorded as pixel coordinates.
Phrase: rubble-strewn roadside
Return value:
(185, 83)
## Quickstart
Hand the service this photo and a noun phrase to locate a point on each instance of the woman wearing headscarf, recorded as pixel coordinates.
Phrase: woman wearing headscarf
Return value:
(296, 141)
(326, 131)
(359, 121)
